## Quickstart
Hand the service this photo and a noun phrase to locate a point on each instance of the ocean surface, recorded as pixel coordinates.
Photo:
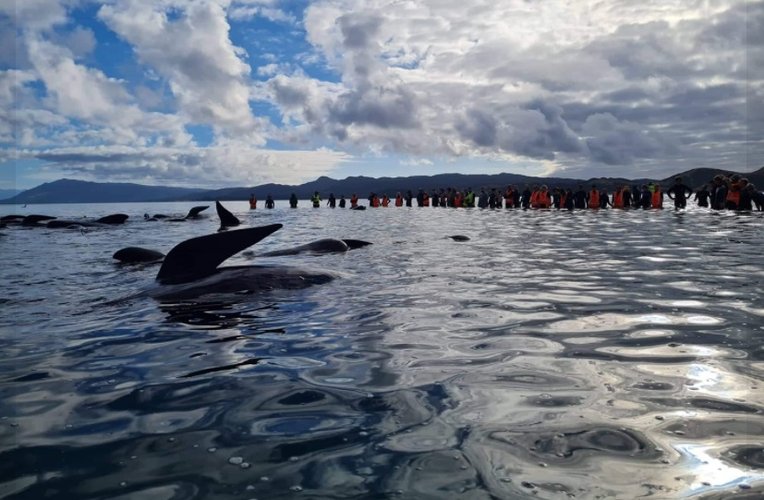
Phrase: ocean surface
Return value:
(609, 354)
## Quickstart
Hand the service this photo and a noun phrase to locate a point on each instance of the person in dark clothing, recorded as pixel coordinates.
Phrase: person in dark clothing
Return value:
(569, 201)
(269, 203)
(626, 193)
(636, 197)
(646, 197)
(435, 198)
(420, 198)
(293, 201)
(579, 198)
(719, 193)
(604, 199)
(680, 193)
(342, 201)
(332, 202)
(557, 198)
(746, 198)
(702, 196)
(482, 199)
(409, 197)
(757, 197)
(525, 200)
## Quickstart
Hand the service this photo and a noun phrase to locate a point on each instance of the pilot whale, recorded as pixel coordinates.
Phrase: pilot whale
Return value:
(192, 268)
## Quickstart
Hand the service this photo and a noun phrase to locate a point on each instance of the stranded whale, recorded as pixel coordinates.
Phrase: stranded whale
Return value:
(192, 268)
(328, 245)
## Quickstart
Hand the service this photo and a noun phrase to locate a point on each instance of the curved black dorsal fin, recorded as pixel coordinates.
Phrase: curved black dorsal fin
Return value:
(199, 257)
(195, 211)
(227, 219)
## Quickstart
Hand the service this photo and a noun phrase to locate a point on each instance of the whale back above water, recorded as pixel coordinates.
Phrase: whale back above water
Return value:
(199, 257)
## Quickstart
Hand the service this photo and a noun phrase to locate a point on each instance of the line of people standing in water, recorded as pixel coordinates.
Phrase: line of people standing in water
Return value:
(731, 193)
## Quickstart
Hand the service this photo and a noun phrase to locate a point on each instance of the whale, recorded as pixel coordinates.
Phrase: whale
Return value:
(193, 213)
(319, 247)
(193, 268)
(136, 255)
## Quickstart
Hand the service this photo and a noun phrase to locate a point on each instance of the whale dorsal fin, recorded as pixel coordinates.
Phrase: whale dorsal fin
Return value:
(195, 211)
(227, 219)
(199, 257)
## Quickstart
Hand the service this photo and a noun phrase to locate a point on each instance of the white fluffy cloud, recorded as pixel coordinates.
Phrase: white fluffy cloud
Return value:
(598, 88)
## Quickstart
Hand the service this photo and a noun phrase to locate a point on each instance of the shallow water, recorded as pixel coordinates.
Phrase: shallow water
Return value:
(554, 355)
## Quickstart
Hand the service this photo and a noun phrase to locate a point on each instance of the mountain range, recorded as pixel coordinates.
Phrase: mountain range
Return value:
(74, 191)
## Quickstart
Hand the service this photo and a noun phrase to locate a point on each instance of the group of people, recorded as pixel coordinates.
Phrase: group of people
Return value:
(731, 193)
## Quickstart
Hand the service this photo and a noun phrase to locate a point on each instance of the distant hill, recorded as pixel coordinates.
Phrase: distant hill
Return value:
(696, 177)
(9, 193)
(72, 191)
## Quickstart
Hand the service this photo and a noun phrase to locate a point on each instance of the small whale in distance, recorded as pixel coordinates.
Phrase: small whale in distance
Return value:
(328, 245)
(359, 207)
(460, 237)
(134, 255)
(227, 219)
(113, 219)
(32, 220)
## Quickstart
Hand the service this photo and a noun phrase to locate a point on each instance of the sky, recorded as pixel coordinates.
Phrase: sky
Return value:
(215, 93)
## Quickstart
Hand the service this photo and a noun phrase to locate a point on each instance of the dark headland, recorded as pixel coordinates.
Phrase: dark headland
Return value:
(74, 191)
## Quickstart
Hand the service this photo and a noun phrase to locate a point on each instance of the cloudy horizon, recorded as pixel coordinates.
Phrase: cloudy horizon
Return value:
(213, 93)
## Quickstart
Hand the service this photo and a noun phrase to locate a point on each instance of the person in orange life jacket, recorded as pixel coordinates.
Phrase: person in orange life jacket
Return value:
(398, 200)
(509, 200)
(332, 201)
(354, 201)
(425, 199)
(657, 197)
(374, 200)
(534, 196)
(252, 202)
(342, 201)
(385, 201)
(542, 199)
(593, 198)
(733, 193)
(458, 199)
(680, 193)
(618, 198)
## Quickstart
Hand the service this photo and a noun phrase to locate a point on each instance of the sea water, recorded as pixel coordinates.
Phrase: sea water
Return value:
(593, 354)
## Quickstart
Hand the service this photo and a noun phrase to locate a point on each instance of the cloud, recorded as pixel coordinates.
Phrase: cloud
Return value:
(193, 51)
(596, 88)
(234, 163)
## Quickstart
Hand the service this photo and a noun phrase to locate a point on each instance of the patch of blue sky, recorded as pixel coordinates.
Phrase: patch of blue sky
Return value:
(25, 174)
(268, 42)
(267, 110)
(203, 134)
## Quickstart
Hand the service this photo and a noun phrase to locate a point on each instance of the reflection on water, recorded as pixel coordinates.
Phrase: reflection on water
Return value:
(554, 355)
